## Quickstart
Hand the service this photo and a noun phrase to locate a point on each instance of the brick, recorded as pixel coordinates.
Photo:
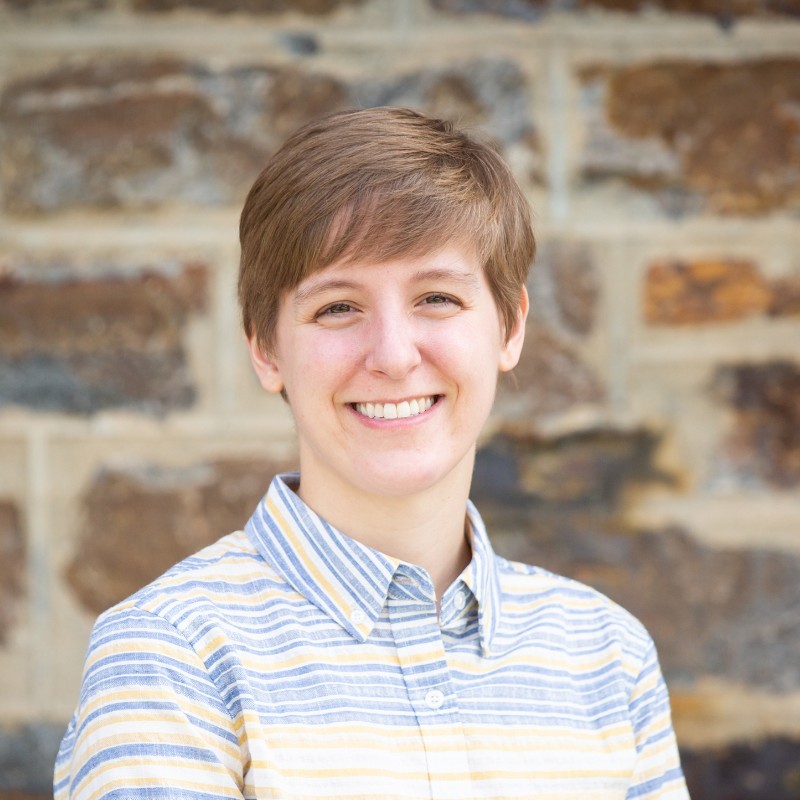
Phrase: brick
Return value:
(140, 521)
(12, 565)
(723, 11)
(697, 136)
(763, 446)
(26, 755)
(752, 771)
(563, 503)
(704, 290)
(83, 344)
(142, 133)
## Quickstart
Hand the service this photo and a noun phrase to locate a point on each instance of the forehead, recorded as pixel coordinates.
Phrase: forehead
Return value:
(453, 264)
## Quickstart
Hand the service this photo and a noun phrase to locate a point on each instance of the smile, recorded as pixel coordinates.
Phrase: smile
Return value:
(407, 408)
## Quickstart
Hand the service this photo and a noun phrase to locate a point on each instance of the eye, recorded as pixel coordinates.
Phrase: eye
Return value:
(335, 309)
(438, 299)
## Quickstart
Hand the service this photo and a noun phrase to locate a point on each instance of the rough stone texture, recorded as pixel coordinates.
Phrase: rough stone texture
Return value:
(141, 133)
(724, 11)
(140, 521)
(27, 754)
(550, 379)
(722, 137)
(551, 376)
(769, 769)
(562, 504)
(84, 344)
(61, 7)
(259, 8)
(564, 288)
(785, 296)
(704, 290)
(23, 794)
(764, 446)
(314, 7)
(12, 564)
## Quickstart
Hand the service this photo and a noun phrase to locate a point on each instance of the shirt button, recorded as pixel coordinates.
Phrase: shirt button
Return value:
(460, 600)
(357, 616)
(434, 699)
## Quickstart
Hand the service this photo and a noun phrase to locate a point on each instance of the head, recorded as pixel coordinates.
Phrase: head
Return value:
(373, 185)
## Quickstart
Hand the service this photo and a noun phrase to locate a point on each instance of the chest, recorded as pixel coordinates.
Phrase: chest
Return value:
(417, 711)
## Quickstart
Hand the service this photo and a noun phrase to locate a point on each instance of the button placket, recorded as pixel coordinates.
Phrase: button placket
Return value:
(423, 660)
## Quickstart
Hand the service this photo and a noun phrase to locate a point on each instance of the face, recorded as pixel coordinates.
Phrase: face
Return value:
(390, 371)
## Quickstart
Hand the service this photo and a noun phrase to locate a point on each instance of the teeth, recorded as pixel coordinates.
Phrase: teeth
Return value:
(406, 408)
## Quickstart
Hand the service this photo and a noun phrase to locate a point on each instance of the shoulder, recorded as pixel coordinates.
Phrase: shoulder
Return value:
(227, 578)
(568, 611)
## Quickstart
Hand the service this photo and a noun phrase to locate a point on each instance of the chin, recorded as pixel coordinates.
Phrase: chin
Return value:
(404, 480)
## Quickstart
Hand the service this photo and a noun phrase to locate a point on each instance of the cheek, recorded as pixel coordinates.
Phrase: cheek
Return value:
(321, 362)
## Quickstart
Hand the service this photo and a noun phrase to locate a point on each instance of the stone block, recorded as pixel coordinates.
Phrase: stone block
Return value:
(143, 133)
(696, 136)
(551, 379)
(704, 290)
(18, 593)
(81, 344)
(138, 522)
(555, 374)
(763, 446)
(13, 566)
(256, 7)
(565, 504)
(724, 11)
(747, 771)
(564, 287)
(267, 8)
(785, 296)
(27, 753)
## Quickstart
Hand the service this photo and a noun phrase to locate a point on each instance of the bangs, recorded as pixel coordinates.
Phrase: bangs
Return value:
(403, 220)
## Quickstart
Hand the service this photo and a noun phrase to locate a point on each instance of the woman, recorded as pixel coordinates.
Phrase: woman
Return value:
(360, 638)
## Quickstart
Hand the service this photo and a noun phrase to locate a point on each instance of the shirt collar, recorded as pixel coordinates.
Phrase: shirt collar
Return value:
(346, 579)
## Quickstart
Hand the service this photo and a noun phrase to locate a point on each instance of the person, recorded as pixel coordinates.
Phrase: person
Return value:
(359, 638)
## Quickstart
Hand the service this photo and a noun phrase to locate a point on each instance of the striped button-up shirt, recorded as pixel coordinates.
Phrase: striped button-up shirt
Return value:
(290, 661)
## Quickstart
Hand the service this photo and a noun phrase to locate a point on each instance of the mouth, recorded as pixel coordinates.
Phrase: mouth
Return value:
(402, 410)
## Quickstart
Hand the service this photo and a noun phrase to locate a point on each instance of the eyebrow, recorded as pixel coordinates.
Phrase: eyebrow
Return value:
(310, 292)
(467, 279)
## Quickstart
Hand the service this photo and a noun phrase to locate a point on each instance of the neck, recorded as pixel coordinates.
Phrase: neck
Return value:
(426, 529)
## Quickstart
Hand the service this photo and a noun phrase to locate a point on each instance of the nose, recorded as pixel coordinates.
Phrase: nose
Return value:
(392, 347)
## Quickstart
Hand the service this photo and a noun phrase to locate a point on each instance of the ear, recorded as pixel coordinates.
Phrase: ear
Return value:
(511, 350)
(265, 366)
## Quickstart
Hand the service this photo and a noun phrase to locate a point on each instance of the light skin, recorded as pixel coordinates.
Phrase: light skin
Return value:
(390, 370)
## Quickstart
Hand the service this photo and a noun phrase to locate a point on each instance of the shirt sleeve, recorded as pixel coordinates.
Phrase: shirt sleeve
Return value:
(150, 722)
(658, 774)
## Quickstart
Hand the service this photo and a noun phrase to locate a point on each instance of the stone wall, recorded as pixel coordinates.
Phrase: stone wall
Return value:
(649, 443)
